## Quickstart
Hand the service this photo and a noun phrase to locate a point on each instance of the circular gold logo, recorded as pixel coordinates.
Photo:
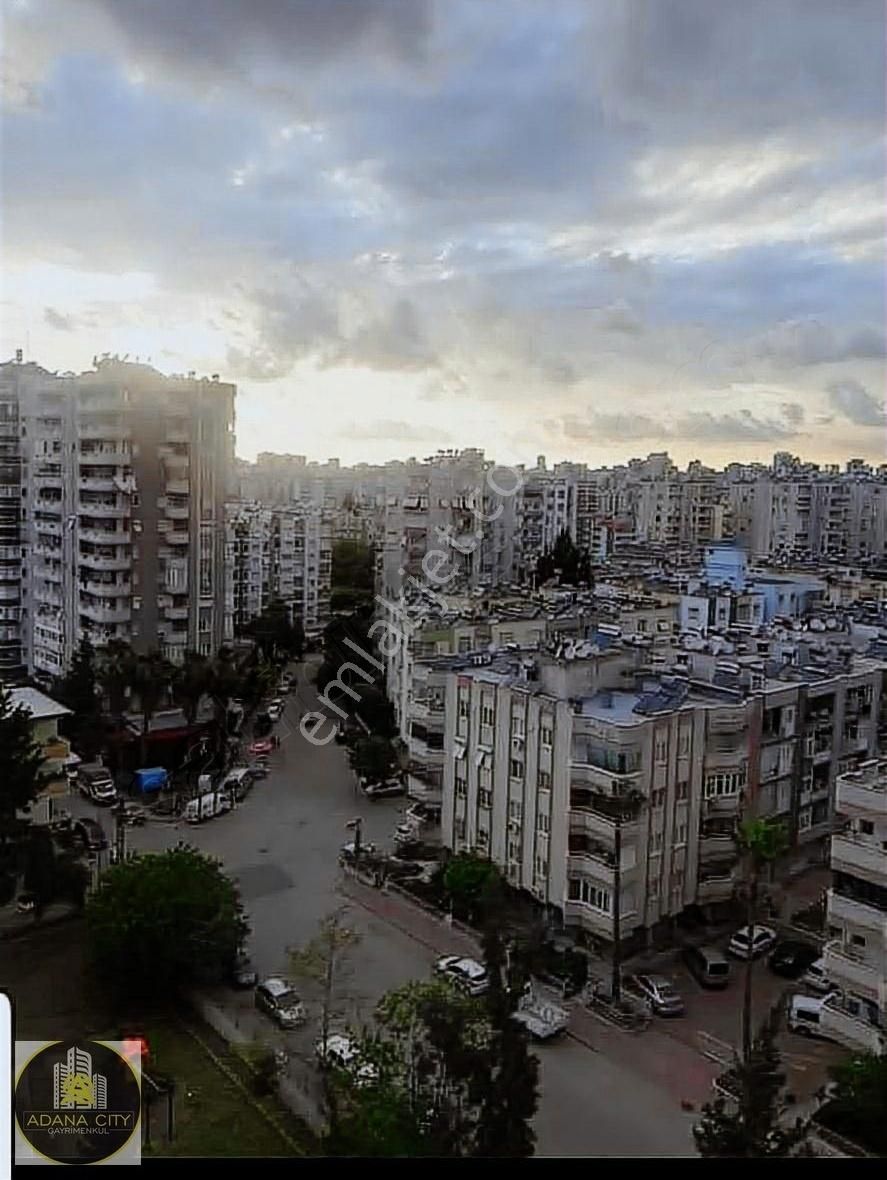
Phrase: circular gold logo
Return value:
(77, 1102)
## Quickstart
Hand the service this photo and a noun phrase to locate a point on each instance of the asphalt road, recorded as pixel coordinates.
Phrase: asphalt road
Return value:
(282, 845)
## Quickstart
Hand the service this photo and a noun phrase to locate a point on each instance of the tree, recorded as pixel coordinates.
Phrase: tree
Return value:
(353, 568)
(762, 841)
(39, 877)
(79, 691)
(20, 763)
(159, 923)
(751, 1126)
(466, 878)
(372, 758)
(114, 674)
(376, 711)
(274, 632)
(859, 1101)
(569, 564)
(191, 682)
(151, 675)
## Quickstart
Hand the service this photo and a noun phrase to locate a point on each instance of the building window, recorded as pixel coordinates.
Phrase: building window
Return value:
(660, 750)
(517, 725)
(544, 780)
(683, 790)
(655, 841)
(514, 850)
(487, 715)
(724, 783)
(594, 895)
(483, 838)
(857, 940)
(805, 819)
(653, 894)
(681, 834)
(866, 827)
(546, 735)
(684, 742)
(516, 768)
(461, 788)
(540, 867)
(542, 822)
(464, 704)
(515, 810)
(657, 798)
(460, 828)
(485, 798)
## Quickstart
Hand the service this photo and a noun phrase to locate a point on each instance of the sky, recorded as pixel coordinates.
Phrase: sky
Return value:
(576, 228)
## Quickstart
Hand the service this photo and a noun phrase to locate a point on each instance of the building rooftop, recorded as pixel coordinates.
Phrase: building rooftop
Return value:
(36, 703)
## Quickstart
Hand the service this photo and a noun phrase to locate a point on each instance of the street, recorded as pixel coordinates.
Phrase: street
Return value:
(603, 1092)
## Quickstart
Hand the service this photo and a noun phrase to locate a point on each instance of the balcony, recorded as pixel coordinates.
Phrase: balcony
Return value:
(105, 536)
(103, 509)
(106, 589)
(109, 458)
(100, 562)
(175, 612)
(734, 723)
(717, 848)
(857, 913)
(178, 487)
(177, 512)
(862, 793)
(860, 857)
(177, 434)
(607, 782)
(425, 710)
(581, 914)
(103, 613)
(722, 805)
(52, 571)
(174, 537)
(850, 972)
(112, 429)
(597, 824)
(713, 889)
(49, 528)
(96, 483)
(853, 1031)
(47, 596)
(53, 481)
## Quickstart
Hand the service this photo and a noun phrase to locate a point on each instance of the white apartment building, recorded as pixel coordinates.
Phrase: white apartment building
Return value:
(283, 553)
(123, 477)
(856, 955)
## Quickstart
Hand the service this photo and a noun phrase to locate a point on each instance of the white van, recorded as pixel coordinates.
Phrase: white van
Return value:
(804, 1015)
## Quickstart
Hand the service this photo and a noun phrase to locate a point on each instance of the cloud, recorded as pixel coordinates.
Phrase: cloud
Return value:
(851, 399)
(608, 427)
(742, 427)
(55, 319)
(393, 430)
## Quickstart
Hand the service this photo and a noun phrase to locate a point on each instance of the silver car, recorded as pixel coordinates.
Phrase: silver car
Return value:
(278, 998)
(467, 974)
(659, 992)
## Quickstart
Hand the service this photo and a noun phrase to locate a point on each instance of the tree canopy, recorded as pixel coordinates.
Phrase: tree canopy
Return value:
(372, 758)
(160, 922)
(564, 561)
(275, 633)
(20, 761)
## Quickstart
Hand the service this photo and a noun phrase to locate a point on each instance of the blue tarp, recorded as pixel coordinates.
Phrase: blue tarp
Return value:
(154, 779)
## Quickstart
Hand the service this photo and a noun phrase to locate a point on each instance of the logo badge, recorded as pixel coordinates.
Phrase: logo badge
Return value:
(77, 1102)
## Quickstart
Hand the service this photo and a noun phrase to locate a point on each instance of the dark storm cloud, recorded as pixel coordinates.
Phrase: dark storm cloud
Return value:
(55, 319)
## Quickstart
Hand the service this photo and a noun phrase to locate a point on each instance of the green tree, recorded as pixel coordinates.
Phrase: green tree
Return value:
(372, 758)
(20, 763)
(192, 680)
(353, 567)
(114, 674)
(151, 675)
(751, 1126)
(569, 564)
(858, 1105)
(467, 878)
(376, 711)
(159, 923)
(275, 634)
(79, 691)
(762, 842)
(40, 867)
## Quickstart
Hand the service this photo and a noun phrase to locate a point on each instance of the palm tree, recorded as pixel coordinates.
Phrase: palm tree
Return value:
(192, 680)
(762, 842)
(114, 674)
(150, 680)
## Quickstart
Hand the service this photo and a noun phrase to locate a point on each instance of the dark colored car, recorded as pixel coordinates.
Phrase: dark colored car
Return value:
(791, 959)
(92, 834)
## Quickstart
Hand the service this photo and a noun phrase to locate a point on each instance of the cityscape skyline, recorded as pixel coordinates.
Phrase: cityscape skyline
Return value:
(510, 226)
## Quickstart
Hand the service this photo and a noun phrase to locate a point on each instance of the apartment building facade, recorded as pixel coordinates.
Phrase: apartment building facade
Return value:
(278, 553)
(123, 478)
(856, 954)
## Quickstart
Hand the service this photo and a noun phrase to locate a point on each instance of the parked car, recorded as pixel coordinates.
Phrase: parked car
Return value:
(275, 712)
(238, 781)
(243, 973)
(262, 746)
(792, 958)
(259, 768)
(26, 903)
(815, 977)
(96, 784)
(467, 974)
(285, 683)
(661, 994)
(804, 1016)
(347, 852)
(750, 943)
(91, 834)
(386, 790)
(707, 965)
(131, 815)
(279, 1000)
(340, 1052)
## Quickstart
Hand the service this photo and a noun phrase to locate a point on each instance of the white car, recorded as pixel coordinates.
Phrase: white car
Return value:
(275, 710)
(815, 977)
(467, 974)
(751, 945)
(341, 1052)
(278, 998)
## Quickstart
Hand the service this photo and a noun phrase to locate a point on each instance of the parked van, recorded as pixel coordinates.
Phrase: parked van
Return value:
(804, 1016)
(238, 781)
(96, 783)
(707, 965)
(207, 806)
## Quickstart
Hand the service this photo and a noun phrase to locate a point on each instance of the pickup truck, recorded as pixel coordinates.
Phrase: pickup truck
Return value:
(542, 1019)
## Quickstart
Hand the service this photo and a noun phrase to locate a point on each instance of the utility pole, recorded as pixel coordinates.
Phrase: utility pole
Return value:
(119, 833)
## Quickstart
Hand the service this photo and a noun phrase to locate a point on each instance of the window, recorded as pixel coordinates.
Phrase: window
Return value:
(461, 788)
(542, 822)
(464, 644)
(857, 940)
(805, 819)
(460, 828)
(464, 704)
(660, 750)
(515, 810)
(681, 834)
(683, 790)
(866, 827)
(516, 768)
(653, 893)
(483, 838)
(540, 867)
(657, 798)
(485, 798)
(655, 842)
(514, 851)
(684, 742)
(487, 715)
(724, 783)
(582, 889)
(546, 734)
(544, 780)
(517, 725)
